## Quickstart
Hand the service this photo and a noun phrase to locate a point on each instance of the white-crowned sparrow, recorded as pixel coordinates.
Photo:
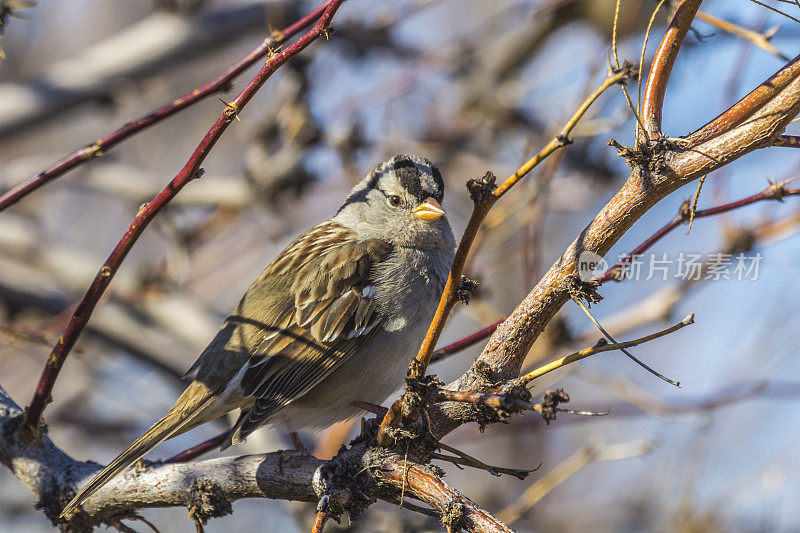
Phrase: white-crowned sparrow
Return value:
(335, 318)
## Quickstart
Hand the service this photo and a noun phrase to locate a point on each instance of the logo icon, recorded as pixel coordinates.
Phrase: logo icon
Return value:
(590, 265)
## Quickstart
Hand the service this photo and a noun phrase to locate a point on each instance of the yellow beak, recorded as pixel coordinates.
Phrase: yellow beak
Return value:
(429, 210)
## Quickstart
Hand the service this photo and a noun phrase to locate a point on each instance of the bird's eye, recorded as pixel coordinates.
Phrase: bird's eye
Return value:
(395, 201)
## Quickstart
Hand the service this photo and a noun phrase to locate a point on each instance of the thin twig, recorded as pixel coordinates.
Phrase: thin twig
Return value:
(498, 401)
(623, 350)
(599, 348)
(787, 141)
(570, 466)
(322, 514)
(468, 460)
(760, 39)
(199, 449)
(762, 4)
(617, 65)
(148, 524)
(464, 343)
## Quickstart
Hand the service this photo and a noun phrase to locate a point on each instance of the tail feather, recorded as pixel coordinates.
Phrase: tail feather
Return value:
(181, 417)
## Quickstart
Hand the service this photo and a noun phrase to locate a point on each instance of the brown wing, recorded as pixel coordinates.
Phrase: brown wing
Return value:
(332, 312)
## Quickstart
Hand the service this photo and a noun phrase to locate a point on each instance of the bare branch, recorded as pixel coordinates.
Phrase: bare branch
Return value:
(774, 191)
(657, 79)
(457, 511)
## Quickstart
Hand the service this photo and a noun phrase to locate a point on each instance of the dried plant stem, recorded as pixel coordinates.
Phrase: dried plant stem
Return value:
(570, 466)
(148, 211)
(599, 348)
(108, 141)
(760, 39)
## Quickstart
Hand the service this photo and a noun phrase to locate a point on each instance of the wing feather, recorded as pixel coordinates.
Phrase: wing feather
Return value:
(333, 310)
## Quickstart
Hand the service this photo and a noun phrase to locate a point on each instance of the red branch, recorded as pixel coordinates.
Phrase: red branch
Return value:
(504, 402)
(322, 514)
(464, 343)
(773, 192)
(103, 144)
(190, 171)
(199, 449)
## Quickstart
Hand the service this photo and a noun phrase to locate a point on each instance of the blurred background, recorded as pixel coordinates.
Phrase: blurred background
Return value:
(474, 86)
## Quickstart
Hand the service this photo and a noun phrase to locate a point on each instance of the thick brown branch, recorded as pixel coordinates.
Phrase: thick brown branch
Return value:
(751, 109)
(457, 511)
(658, 78)
(51, 475)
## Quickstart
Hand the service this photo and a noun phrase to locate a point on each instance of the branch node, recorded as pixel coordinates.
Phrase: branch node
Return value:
(582, 290)
(649, 155)
(197, 174)
(481, 189)
(231, 110)
(346, 483)
(466, 289)
(207, 500)
(564, 139)
(629, 71)
(550, 402)
(775, 191)
(454, 516)
(685, 211)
